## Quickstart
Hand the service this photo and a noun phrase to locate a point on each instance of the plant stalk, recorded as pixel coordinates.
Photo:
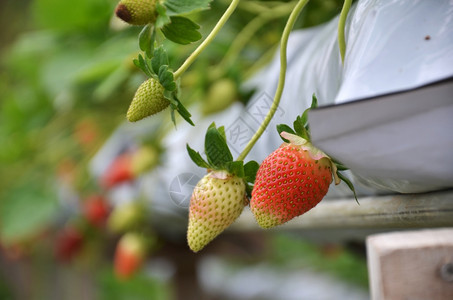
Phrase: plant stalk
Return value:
(281, 80)
(208, 39)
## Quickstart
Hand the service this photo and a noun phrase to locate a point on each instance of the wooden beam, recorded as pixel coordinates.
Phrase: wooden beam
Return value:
(395, 211)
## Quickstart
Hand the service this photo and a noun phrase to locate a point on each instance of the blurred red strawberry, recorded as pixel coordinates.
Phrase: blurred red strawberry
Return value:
(119, 171)
(69, 243)
(129, 165)
(96, 210)
(130, 255)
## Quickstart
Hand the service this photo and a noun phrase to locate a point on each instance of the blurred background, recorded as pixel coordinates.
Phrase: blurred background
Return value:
(66, 81)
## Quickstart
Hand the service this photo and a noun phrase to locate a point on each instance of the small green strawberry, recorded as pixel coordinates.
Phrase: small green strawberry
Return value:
(148, 100)
(217, 201)
(127, 216)
(137, 12)
(294, 178)
(220, 95)
(220, 196)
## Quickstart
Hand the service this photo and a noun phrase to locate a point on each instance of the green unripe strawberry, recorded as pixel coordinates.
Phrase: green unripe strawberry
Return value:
(221, 94)
(137, 12)
(148, 100)
(127, 216)
(217, 201)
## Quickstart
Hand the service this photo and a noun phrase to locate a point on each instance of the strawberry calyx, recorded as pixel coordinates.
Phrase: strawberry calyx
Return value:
(315, 153)
(219, 160)
(300, 136)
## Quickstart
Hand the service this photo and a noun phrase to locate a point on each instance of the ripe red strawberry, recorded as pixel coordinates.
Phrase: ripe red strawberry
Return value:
(96, 210)
(148, 100)
(119, 171)
(129, 165)
(130, 255)
(137, 12)
(217, 201)
(68, 243)
(290, 181)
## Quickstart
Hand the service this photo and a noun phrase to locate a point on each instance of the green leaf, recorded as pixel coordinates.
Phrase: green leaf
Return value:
(146, 40)
(216, 148)
(339, 165)
(222, 131)
(299, 127)
(314, 101)
(181, 31)
(166, 78)
(141, 63)
(236, 168)
(350, 185)
(159, 59)
(286, 128)
(177, 7)
(197, 159)
(250, 170)
(162, 17)
(176, 105)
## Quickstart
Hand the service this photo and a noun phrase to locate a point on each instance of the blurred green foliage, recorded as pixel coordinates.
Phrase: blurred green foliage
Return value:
(140, 288)
(289, 251)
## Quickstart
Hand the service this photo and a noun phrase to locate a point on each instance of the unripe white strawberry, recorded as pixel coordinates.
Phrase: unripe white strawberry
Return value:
(217, 201)
(137, 12)
(148, 100)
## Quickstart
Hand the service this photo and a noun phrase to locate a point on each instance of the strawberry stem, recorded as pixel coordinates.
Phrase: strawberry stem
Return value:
(281, 80)
(341, 25)
(247, 33)
(208, 39)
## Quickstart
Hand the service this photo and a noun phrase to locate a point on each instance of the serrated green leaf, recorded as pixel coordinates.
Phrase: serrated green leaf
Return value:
(299, 127)
(339, 165)
(177, 7)
(136, 63)
(236, 168)
(160, 58)
(196, 158)
(216, 148)
(143, 66)
(222, 132)
(172, 113)
(166, 78)
(286, 128)
(314, 101)
(181, 31)
(146, 40)
(184, 113)
(162, 17)
(304, 117)
(250, 170)
(349, 184)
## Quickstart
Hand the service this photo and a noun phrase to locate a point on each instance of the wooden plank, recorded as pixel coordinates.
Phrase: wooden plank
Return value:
(411, 265)
(395, 211)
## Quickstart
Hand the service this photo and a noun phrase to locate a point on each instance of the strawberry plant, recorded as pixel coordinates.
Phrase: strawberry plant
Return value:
(289, 182)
